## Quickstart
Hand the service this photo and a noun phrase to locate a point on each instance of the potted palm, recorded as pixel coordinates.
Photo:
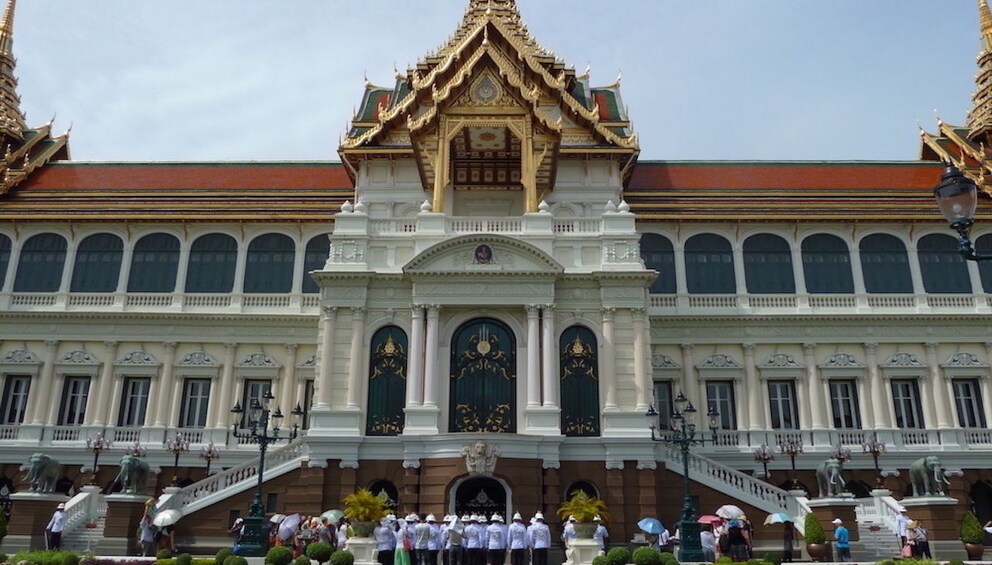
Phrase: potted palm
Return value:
(364, 509)
(816, 539)
(973, 536)
(584, 509)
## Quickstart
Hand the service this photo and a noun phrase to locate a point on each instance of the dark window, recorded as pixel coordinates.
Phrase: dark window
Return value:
(768, 265)
(782, 401)
(885, 265)
(98, 264)
(968, 400)
(75, 393)
(709, 265)
(483, 377)
(659, 255)
(212, 262)
(41, 263)
(4, 258)
(983, 246)
(944, 270)
(134, 402)
(827, 265)
(307, 402)
(387, 382)
(318, 249)
(906, 400)
(720, 394)
(15, 399)
(269, 266)
(196, 401)
(844, 403)
(154, 264)
(254, 390)
(579, 372)
(663, 404)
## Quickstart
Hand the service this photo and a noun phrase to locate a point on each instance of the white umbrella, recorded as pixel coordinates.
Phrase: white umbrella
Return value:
(167, 518)
(288, 526)
(729, 512)
(276, 518)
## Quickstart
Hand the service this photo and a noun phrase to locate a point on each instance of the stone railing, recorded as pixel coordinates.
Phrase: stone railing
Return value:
(84, 508)
(234, 302)
(669, 304)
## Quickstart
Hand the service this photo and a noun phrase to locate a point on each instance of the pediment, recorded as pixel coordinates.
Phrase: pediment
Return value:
(483, 255)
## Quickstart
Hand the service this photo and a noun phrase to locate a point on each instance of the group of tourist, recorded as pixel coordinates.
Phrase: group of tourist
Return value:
(279, 532)
(914, 537)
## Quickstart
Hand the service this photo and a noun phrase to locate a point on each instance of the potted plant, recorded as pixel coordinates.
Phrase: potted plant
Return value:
(816, 539)
(584, 509)
(973, 536)
(364, 509)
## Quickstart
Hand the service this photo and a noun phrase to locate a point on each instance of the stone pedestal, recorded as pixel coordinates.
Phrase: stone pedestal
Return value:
(29, 514)
(124, 512)
(843, 507)
(937, 515)
(364, 550)
(581, 552)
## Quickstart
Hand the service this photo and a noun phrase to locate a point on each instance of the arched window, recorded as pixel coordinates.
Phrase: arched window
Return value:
(659, 255)
(885, 265)
(827, 265)
(40, 266)
(768, 265)
(944, 269)
(583, 486)
(269, 266)
(983, 246)
(387, 491)
(212, 262)
(154, 264)
(579, 371)
(387, 382)
(709, 265)
(4, 257)
(483, 378)
(318, 249)
(98, 264)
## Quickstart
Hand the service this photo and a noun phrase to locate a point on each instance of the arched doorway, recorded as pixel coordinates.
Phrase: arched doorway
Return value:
(483, 378)
(481, 495)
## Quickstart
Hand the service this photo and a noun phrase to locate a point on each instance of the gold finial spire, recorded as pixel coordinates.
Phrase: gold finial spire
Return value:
(985, 16)
(980, 117)
(7, 29)
(11, 118)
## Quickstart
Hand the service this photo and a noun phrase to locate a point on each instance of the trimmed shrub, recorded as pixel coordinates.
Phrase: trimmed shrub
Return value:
(646, 556)
(320, 552)
(971, 529)
(169, 561)
(724, 559)
(887, 562)
(203, 561)
(279, 555)
(774, 557)
(302, 560)
(70, 559)
(40, 557)
(235, 560)
(342, 557)
(618, 556)
(814, 531)
(669, 558)
(600, 560)
(222, 555)
(184, 559)
(163, 554)
(955, 562)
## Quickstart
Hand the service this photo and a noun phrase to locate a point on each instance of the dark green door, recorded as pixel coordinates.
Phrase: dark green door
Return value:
(483, 378)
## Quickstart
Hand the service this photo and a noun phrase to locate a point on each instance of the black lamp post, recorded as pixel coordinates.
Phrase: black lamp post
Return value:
(257, 431)
(684, 436)
(792, 446)
(209, 453)
(97, 444)
(764, 456)
(872, 446)
(177, 446)
(957, 198)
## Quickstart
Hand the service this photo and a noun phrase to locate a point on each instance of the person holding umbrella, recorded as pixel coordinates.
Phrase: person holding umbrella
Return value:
(146, 536)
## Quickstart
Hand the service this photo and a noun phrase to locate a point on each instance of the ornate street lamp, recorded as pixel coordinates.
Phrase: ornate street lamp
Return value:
(957, 198)
(136, 450)
(840, 453)
(792, 446)
(683, 436)
(257, 431)
(97, 444)
(764, 456)
(209, 453)
(872, 446)
(177, 446)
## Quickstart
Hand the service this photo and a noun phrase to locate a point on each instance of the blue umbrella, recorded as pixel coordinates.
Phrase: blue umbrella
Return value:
(651, 525)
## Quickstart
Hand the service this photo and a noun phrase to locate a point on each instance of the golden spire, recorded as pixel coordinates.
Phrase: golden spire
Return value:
(980, 117)
(7, 29)
(11, 118)
(985, 16)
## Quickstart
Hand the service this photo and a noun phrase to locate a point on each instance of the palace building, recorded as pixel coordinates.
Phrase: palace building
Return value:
(476, 302)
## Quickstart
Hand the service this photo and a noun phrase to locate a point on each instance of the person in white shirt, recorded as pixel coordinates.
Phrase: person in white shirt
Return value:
(568, 532)
(147, 538)
(600, 534)
(421, 539)
(901, 521)
(342, 534)
(473, 541)
(517, 540)
(539, 540)
(455, 541)
(53, 531)
(496, 540)
(708, 542)
(433, 540)
(385, 541)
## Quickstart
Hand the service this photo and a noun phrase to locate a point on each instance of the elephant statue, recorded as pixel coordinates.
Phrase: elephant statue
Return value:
(43, 472)
(928, 476)
(133, 475)
(830, 477)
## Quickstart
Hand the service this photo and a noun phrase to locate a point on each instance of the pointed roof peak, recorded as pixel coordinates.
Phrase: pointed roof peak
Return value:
(985, 16)
(7, 28)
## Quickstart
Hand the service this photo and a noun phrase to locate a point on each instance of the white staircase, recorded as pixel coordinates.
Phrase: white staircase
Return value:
(85, 514)
(87, 538)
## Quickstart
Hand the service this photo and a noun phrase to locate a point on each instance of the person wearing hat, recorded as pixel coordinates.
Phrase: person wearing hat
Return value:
(53, 531)
(401, 555)
(496, 540)
(843, 540)
(421, 541)
(474, 538)
(238, 531)
(453, 540)
(600, 534)
(737, 541)
(539, 540)
(433, 540)
(385, 541)
(516, 537)
(902, 520)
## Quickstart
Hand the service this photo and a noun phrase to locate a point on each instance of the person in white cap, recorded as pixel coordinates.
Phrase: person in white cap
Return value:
(434, 540)
(401, 555)
(421, 539)
(539, 540)
(843, 540)
(453, 540)
(496, 540)
(600, 534)
(517, 540)
(53, 531)
(474, 537)
(385, 541)
(901, 521)
(568, 532)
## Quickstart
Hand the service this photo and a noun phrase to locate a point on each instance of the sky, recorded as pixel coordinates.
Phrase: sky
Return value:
(245, 80)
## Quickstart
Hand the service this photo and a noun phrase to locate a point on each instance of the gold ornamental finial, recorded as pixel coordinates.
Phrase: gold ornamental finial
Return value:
(7, 29)
(985, 16)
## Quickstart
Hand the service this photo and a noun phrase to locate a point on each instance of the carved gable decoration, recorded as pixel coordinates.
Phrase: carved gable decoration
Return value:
(902, 364)
(78, 362)
(664, 367)
(307, 368)
(720, 366)
(483, 255)
(19, 362)
(138, 362)
(842, 365)
(965, 364)
(258, 365)
(486, 90)
(198, 364)
(781, 366)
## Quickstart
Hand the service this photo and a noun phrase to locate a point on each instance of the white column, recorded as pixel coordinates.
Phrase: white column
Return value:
(357, 358)
(41, 395)
(125, 273)
(173, 391)
(941, 397)
(98, 416)
(533, 355)
(642, 377)
(239, 269)
(797, 267)
(802, 389)
(15, 259)
(692, 387)
(864, 391)
(817, 403)
(739, 275)
(431, 378)
(221, 413)
(986, 384)
(326, 357)
(287, 398)
(879, 403)
(118, 392)
(756, 395)
(608, 363)
(415, 373)
(856, 271)
(549, 357)
(914, 269)
(183, 267)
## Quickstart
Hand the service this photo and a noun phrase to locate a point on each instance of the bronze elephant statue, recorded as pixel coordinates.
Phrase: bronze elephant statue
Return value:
(830, 477)
(133, 475)
(928, 477)
(43, 472)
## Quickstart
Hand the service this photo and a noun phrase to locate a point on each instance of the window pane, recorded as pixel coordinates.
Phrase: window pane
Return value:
(906, 400)
(709, 265)
(269, 266)
(387, 382)
(318, 249)
(721, 395)
(5, 246)
(15, 399)
(307, 402)
(75, 393)
(134, 402)
(664, 403)
(968, 401)
(885, 265)
(254, 390)
(944, 270)
(98, 264)
(212, 261)
(983, 246)
(154, 264)
(578, 356)
(40, 266)
(196, 398)
(844, 404)
(782, 401)
(768, 265)
(659, 255)
(827, 265)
